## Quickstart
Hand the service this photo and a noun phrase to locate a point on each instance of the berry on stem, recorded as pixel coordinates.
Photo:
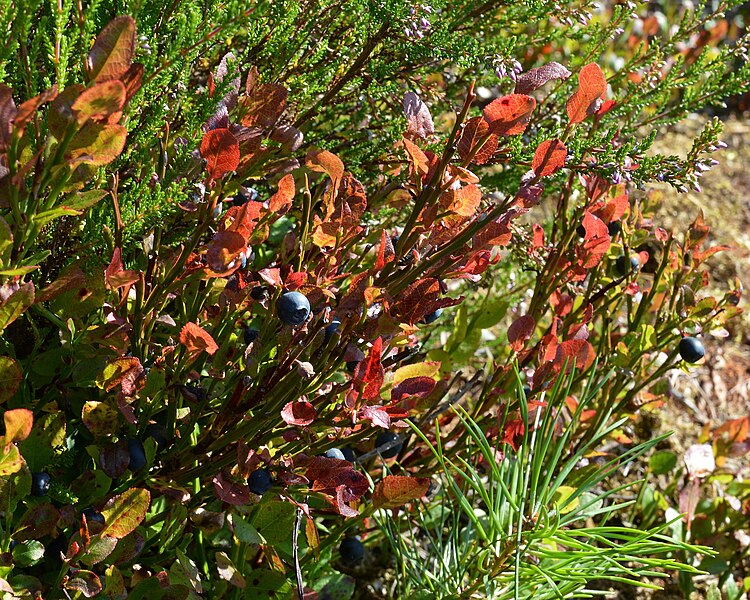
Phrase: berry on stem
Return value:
(352, 551)
(293, 308)
(40, 483)
(260, 481)
(137, 455)
(691, 349)
(385, 438)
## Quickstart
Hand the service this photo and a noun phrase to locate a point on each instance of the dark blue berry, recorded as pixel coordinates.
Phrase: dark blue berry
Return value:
(137, 455)
(433, 316)
(259, 292)
(385, 438)
(294, 308)
(260, 481)
(349, 454)
(40, 483)
(158, 433)
(352, 551)
(621, 265)
(330, 329)
(691, 349)
(251, 334)
(351, 365)
(93, 516)
(614, 227)
(581, 231)
(335, 453)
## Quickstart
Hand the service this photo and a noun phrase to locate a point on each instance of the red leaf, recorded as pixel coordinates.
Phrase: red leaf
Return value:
(295, 280)
(371, 372)
(271, 275)
(377, 414)
(535, 78)
(230, 492)
(282, 199)
(131, 79)
(463, 201)
(386, 252)
(592, 85)
(419, 299)
(579, 350)
(300, 413)
(513, 433)
(509, 115)
(223, 249)
(221, 150)
(538, 240)
(396, 490)
(420, 164)
(323, 161)
(328, 474)
(474, 131)
(263, 104)
(521, 331)
(196, 340)
(116, 276)
(614, 209)
(413, 386)
(549, 158)
(596, 242)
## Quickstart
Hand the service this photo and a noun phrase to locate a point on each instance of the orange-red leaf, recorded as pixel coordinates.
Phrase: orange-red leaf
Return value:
(221, 150)
(371, 372)
(592, 85)
(18, 423)
(264, 104)
(420, 164)
(520, 331)
(116, 276)
(474, 131)
(396, 490)
(196, 340)
(509, 115)
(282, 199)
(464, 201)
(549, 158)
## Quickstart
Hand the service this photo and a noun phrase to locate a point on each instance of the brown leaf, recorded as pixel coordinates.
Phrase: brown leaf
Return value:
(323, 161)
(114, 458)
(396, 490)
(112, 52)
(420, 387)
(263, 104)
(420, 164)
(535, 78)
(509, 115)
(463, 201)
(132, 79)
(85, 582)
(116, 276)
(299, 412)
(7, 114)
(418, 117)
(230, 492)
(223, 249)
(472, 135)
(549, 158)
(221, 150)
(26, 110)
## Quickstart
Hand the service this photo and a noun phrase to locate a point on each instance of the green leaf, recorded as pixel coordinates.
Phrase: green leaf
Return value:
(100, 418)
(47, 434)
(492, 312)
(245, 532)
(125, 512)
(96, 144)
(18, 301)
(46, 216)
(262, 581)
(561, 496)
(275, 522)
(13, 489)
(10, 460)
(80, 201)
(663, 462)
(28, 553)
(6, 241)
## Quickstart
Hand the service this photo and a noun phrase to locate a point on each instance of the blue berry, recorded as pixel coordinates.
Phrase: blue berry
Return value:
(260, 481)
(93, 516)
(385, 438)
(294, 308)
(691, 349)
(433, 316)
(40, 483)
(352, 551)
(614, 227)
(330, 329)
(621, 265)
(259, 292)
(335, 453)
(251, 334)
(157, 433)
(137, 455)
(349, 454)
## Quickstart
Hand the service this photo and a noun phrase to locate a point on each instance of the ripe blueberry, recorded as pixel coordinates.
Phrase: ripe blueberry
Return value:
(137, 455)
(352, 551)
(335, 453)
(330, 329)
(614, 227)
(581, 231)
(93, 516)
(294, 308)
(385, 438)
(351, 365)
(251, 334)
(691, 349)
(260, 481)
(621, 265)
(157, 433)
(349, 454)
(40, 483)
(259, 292)
(433, 316)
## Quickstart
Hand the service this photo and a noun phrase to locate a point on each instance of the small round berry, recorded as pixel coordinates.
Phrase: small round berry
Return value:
(621, 265)
(260, 481)
(158, 433)
(614, 227)
(93, 516)
(40, 483)
(335, 453)
(349, 454)
(259, 292)
(331, 329)
(352, 551)
(293, 308)
(137, 455)
(385, 438)
(250, 335)
(433, 316)
(691, 349)
(581, 231)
